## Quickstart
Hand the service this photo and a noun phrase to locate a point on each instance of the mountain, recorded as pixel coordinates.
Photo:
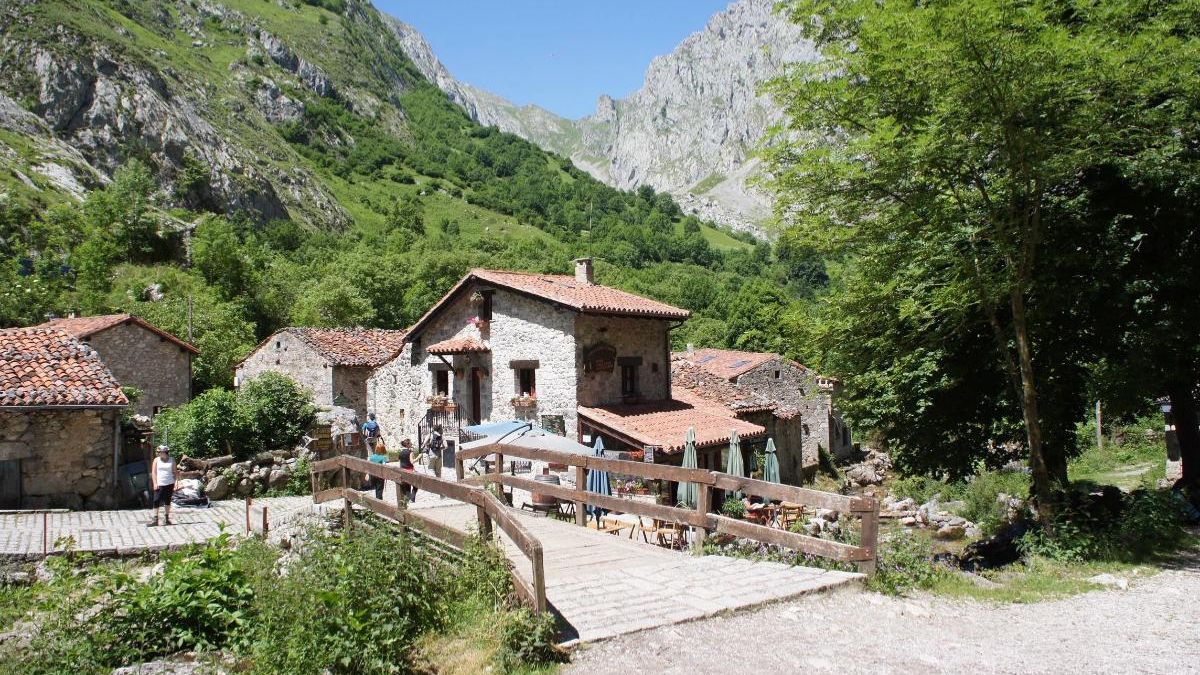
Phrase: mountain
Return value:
(228, 167)
(689, 130)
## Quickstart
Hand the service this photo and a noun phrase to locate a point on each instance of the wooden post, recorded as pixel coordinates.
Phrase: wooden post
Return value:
(346, 520)
(581, 488)
(703, 502)
(869, 539)
(459, 471)
(266, 524)
(539, 579)
(248, 501)
(45, 535)
(1099, 428)
(499, 471)
(485, 523)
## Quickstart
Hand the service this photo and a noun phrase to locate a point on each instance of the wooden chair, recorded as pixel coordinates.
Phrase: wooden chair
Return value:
(671, 535)
(789, 514)
(647, 530)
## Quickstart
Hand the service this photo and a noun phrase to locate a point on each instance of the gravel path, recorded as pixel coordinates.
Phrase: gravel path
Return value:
(1153, 627)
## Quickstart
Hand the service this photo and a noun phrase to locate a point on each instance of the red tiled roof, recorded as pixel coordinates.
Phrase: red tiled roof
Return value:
(563, 290)
(84, 327)
(49, 367)
(352, 346)
(728, 363)
(665, 423)
(458, 345)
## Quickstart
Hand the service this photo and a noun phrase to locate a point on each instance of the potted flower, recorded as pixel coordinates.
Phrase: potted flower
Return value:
(439, 402)
(525, 401)
(479, 323)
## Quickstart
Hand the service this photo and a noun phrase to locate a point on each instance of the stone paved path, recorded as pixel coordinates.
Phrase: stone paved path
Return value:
(603, 585)
(125, 532)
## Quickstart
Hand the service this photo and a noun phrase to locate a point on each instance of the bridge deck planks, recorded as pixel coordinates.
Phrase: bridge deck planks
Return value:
(603, 585)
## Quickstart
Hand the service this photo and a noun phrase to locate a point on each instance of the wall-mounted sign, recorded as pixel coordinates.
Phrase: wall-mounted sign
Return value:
(648, 453)
(600, 359)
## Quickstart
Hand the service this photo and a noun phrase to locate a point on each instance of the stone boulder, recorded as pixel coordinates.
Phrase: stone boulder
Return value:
(218, 488)
(278, 479)
(950, 532)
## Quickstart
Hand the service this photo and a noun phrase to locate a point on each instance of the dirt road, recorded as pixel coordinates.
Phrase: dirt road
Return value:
(1153, 627)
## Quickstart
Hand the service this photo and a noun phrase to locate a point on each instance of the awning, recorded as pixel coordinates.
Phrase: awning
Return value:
(459, 345)
(522, 435)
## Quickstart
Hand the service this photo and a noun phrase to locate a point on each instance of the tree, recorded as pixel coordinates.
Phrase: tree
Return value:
(332, 302)
(950, 130)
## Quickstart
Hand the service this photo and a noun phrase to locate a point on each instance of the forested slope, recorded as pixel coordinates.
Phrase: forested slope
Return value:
(269, 163)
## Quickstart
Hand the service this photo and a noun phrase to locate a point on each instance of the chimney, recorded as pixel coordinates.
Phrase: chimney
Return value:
(583, 270)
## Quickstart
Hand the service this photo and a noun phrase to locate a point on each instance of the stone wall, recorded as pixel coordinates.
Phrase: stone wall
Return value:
(802, 394)
(647, 339)
(522, 330)
(289, 355)
(351, 383)
(141, 358)
(66, 456)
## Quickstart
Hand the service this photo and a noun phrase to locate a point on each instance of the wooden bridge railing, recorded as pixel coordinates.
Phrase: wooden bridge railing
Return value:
(489, 511)
(700, 518)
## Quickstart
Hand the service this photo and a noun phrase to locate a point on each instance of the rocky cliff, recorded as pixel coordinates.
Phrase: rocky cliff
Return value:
(691, 128)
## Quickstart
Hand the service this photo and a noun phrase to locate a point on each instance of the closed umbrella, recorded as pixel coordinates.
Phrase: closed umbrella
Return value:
(688, 493)
(597, 482)
(771, 465)
(733, 466)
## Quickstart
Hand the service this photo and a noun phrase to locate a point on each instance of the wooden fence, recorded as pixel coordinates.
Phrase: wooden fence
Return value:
(700, 518)
(489, 511)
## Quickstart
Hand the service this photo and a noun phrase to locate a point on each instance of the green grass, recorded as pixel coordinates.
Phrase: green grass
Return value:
(15, 601)
(717, 238)
(708, 183)
(1035, 580)
(1138, 460)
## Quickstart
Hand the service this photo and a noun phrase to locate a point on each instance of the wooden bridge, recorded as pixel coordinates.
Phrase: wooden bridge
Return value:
(600, 585)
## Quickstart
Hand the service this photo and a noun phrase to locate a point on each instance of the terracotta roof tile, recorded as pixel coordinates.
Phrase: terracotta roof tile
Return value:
(728, 363)
(665, 423)
(49, 367)
(564, 290)
(584, 297)
(352, 346)
(84, 327)
(458, 345)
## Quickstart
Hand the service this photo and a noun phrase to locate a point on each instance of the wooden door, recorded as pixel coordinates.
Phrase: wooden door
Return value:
(476, 403)
(10, 484)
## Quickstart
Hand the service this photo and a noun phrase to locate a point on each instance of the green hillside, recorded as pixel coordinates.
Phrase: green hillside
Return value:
(285, 164)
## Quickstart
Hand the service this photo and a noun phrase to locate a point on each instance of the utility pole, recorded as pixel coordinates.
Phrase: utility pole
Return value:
(192, 340)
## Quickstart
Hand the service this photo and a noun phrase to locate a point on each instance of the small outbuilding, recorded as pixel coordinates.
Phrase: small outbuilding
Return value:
(332, 363)
(140, 355)
(60, 422)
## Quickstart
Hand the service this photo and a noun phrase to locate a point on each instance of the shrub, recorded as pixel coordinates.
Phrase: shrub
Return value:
(269, 412)
(734, 508)
(1087, 529)
(529, 639)
(979, 497)
(905, 563)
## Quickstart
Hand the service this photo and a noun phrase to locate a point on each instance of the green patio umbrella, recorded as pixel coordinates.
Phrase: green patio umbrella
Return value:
(688, 493)
(771, 464)
(733, 465)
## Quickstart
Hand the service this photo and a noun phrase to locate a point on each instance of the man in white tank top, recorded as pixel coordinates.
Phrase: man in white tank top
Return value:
(162, 479)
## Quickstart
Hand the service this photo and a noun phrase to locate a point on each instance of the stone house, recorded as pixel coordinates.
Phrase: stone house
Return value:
(139, 355)
(332, 363)
(573, 355)
(794, 403)
(60, 422)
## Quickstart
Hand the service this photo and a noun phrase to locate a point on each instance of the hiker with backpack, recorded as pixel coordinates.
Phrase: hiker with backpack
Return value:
(370, 432)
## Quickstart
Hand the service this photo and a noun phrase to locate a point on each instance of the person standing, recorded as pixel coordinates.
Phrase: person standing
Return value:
(370, 432)
(435, 451)
(162, 480)
(378, 455)
(406, 464)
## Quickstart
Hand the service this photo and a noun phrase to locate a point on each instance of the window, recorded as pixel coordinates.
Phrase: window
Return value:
(526, 381)
(485, 307)
(629, 379)
(777, 374)
(441, 382)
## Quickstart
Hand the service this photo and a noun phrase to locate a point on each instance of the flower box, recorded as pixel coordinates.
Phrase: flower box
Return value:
(524, 402)
(440, 402)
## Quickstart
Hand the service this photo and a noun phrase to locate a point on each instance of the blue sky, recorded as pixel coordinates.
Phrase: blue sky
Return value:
(559, 54)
